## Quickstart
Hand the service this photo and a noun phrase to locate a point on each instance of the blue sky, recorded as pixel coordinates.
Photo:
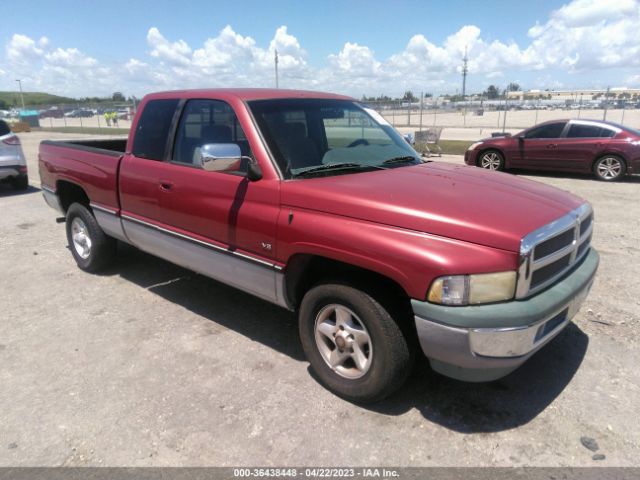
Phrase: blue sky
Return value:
(356, 47)
(117, 29)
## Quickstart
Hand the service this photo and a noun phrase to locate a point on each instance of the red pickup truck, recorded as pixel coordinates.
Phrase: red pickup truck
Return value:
(314, 202)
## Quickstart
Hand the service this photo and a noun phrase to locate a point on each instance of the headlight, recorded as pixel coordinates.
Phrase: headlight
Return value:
(473, 289)
(473, 146)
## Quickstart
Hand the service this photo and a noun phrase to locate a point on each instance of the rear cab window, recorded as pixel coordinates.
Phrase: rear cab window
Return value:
(153, 129)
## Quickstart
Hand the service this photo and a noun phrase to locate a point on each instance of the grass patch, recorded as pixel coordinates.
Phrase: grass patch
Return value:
(88, 130)
(454, 147)
(33, 98)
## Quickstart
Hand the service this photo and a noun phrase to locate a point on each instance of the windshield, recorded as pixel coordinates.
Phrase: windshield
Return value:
(315, 137)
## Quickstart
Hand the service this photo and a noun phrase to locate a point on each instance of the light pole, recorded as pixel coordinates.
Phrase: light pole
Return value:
(21, 96)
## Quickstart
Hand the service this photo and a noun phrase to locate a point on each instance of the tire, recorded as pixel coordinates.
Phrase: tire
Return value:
(491, 160)
(350, 328)
(20, 183)
(609, 168)
(91, 248)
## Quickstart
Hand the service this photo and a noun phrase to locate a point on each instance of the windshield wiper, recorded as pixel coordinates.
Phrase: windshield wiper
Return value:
(403, 159)
(337, 166)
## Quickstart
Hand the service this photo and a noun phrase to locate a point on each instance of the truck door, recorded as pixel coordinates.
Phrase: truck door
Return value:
(141, 171)
(219, 211)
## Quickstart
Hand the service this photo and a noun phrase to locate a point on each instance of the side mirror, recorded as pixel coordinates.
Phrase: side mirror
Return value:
(221, 157)
(255, 172)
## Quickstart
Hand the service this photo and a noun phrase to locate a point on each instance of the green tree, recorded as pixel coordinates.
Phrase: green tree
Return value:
(409, 96)
(513, 87)
(492, 92)
(117, 97)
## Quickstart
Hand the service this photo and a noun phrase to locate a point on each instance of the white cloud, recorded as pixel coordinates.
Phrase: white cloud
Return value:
(70, 58)
(176, 53)
(586, 13)
(22, 49)
(581, 36)
(290, 53)
(355, 60)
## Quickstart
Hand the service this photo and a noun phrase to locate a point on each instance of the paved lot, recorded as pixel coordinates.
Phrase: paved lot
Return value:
(149, 364)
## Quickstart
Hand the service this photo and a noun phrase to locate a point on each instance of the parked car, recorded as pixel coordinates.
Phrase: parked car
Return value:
(80, 113)
(53, 112)
(314, 202)
(13, 165)
(606, 149)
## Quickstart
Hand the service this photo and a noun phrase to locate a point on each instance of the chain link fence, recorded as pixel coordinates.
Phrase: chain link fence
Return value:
(76, 117)
(486, 115)
(499, 115)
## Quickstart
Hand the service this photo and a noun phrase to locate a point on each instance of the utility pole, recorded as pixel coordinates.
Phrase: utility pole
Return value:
(465, 70)
(606, 104)
(504, 118)
(276, 62)
(421, 106)
(21, 96)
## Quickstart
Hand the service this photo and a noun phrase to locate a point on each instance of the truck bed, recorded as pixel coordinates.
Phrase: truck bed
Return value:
(110, 146)
(90, 163)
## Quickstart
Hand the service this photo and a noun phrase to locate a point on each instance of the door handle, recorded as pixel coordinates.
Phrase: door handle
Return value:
(166, 186)
(552, 145)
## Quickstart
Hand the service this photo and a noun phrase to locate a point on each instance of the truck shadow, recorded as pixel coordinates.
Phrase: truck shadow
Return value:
(252, 317)
(463, 407)
(7, 190)
(495, 406)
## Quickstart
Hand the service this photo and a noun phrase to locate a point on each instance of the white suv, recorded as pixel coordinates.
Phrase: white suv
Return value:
(13, 165)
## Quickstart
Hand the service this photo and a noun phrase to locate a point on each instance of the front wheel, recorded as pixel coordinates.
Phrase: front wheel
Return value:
(91, 248)
(355, 347)
(491, 160)
(609, 168)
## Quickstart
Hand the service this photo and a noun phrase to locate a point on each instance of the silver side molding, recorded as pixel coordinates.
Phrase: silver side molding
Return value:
(255, 276)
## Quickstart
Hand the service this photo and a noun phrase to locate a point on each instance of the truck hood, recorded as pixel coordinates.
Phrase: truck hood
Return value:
(465, 203)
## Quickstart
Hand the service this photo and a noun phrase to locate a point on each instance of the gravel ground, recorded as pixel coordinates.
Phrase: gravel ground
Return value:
(150, 365)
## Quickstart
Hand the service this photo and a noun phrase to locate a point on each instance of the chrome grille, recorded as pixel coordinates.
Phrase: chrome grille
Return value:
(550, 251)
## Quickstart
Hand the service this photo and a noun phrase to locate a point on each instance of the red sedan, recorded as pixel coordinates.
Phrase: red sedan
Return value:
(606, 149)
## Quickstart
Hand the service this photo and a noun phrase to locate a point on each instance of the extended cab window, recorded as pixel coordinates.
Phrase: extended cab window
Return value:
(550, 130)
(152, 131)
(205, 122)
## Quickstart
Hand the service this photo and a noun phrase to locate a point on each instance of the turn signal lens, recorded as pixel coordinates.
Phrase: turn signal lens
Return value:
(473, 289)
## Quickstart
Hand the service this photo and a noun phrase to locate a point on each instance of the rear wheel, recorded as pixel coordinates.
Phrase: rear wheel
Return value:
(355, 347)
(609, 168)
(491, 160)
(91, 248)
(20, 183)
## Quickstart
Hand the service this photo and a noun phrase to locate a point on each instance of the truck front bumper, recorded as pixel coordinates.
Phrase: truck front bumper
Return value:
(484, 342)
